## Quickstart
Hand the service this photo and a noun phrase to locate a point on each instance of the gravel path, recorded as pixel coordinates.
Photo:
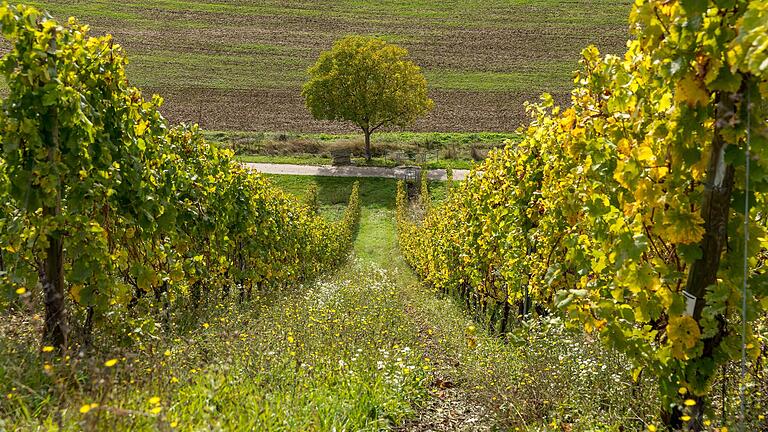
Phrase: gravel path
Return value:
(347, 171)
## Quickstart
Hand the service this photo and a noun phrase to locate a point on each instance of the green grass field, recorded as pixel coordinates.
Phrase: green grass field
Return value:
(239, 64)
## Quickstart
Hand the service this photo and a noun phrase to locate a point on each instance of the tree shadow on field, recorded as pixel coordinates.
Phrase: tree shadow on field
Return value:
(375, 193)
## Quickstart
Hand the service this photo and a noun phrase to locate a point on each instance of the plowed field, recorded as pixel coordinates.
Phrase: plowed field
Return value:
(239, 64)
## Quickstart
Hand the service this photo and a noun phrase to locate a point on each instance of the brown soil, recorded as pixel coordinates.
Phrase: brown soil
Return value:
(451, 406)
(283, 110)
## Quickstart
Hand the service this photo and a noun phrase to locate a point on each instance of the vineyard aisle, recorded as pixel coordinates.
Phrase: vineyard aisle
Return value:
(452, 401)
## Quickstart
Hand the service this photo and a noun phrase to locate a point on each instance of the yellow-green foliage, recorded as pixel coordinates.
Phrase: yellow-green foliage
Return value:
(144, 209)
(598, 211)
(368, 82)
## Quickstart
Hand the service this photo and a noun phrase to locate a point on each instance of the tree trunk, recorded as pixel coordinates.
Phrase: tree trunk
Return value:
(367, 145)
(164, 305)
(87, 329)
(505, 317)
(526, 302)
(52, 271)
(715, 210)
(196, 294)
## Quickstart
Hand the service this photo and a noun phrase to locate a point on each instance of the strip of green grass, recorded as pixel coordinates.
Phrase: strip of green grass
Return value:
(424, 139)
(536, 79)
(468, 13)
(441, 150)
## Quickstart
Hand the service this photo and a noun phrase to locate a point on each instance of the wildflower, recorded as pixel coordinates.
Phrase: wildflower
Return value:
(156, 410)
(690, 402)
(154, 400)
(47, 348)
(651, 428)
(167, 353)
(110, 363)
(682, 390)
(21, 291)
(291, 339)
(685, 418)
(174, 424)
(206, 325)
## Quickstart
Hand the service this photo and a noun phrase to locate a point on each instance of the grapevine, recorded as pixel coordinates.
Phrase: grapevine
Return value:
(116, 214)
(623, 210)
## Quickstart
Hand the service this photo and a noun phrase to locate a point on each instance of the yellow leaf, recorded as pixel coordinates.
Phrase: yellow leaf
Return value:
(683, 333)
(75, 290)
(682, 226)
(645, 153)
(691, 91)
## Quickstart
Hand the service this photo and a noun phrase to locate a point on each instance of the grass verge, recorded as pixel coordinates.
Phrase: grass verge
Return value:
(435, 149)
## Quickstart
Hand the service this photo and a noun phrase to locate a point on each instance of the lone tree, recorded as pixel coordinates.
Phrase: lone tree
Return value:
(368, 82)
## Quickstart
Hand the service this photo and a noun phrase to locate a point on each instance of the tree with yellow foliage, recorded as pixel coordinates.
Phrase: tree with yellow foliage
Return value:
(368, 82)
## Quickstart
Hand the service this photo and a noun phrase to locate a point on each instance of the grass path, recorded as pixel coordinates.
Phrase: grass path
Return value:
(449, 407)
(436, 327)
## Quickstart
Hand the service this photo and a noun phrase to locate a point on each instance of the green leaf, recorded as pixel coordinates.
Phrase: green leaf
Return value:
(689, 252)
(694, 7)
